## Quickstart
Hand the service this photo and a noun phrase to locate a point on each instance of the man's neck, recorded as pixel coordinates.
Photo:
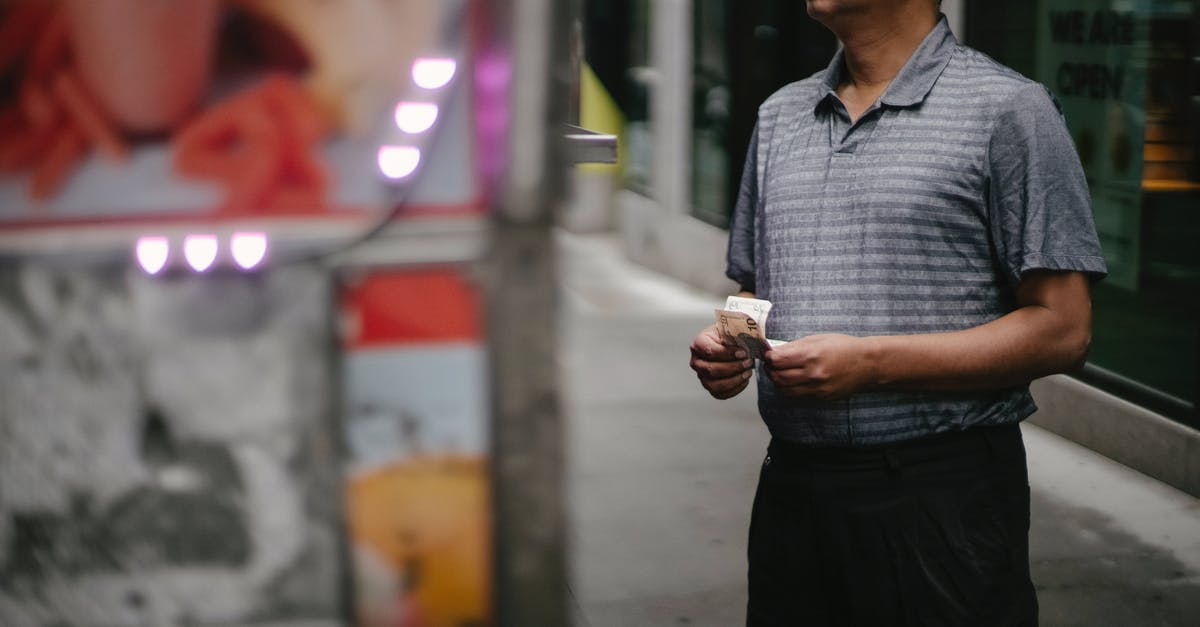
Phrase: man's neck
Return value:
(879, 42)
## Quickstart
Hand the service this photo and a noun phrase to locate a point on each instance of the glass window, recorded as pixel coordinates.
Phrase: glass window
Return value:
(710, 113)
(743, 51)
(616, 47)
(1125, 72)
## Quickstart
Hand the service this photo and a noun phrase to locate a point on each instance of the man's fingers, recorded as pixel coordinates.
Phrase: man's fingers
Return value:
(724, 384)
(723, 370)
(728, 387)
(716, 352)
(783, 358)
(790, 377)
(712, 370)
(707, 341)
(731, 393)
(708, 346)
(799, 383)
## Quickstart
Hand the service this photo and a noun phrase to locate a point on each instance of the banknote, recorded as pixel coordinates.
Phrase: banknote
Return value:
(755, 307)
(743, 323)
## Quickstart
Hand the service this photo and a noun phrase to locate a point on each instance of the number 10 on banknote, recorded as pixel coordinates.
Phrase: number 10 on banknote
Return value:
(743, 323)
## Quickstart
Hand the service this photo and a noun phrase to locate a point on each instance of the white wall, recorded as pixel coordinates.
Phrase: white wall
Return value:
(954, 14)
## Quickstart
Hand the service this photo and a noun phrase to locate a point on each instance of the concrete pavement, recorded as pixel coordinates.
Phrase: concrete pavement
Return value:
(661, 478)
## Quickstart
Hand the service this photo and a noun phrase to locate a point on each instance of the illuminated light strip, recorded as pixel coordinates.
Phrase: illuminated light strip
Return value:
(398, 162)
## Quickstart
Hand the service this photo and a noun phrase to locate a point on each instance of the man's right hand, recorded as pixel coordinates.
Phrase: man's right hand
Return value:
(724, 371)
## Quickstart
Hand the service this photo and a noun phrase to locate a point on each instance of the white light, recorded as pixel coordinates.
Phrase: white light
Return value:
(416, 117)
(432, 73)
(249, 249)
(397, 162)
(152, 253)
(200, 251)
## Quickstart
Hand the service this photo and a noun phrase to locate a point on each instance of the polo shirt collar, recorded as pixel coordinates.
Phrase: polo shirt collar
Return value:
(915, 79)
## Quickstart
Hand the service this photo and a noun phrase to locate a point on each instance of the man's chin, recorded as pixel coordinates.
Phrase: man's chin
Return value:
(824, 11)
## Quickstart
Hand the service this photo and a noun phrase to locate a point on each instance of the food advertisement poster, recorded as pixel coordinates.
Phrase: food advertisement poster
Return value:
(416, 431)
(1092, 54)
(261, 111)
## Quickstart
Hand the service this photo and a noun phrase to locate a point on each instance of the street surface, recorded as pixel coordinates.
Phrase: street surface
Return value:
(661, 477)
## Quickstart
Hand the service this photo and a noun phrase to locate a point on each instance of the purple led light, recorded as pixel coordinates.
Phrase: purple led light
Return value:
(493, 75)
(152, 253)
(248, 249)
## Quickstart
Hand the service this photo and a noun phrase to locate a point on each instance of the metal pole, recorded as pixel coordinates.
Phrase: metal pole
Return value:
(671, 103)
(527, 434)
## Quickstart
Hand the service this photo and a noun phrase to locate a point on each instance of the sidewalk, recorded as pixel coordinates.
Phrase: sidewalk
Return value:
(661, 477)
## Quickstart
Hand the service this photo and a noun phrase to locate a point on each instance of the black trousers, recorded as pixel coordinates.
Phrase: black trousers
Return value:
(926, 533)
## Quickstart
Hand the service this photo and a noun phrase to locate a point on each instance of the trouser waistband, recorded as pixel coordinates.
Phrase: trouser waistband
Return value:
(994, 442)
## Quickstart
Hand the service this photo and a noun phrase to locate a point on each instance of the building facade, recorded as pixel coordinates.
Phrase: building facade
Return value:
(689, 75)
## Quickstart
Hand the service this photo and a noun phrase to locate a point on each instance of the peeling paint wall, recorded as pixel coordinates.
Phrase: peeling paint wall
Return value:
(168, 449)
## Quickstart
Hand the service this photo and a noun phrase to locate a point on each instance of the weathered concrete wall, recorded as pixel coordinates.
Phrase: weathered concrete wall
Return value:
(167, 448)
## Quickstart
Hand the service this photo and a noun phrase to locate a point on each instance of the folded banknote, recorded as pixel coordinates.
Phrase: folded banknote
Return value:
(743, 323)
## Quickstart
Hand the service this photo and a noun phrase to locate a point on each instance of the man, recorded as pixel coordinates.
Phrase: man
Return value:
(918, 216)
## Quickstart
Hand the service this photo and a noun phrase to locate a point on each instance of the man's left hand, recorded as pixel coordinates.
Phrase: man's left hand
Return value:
(821, 366)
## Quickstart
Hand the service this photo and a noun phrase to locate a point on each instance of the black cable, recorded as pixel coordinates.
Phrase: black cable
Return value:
(453, 29)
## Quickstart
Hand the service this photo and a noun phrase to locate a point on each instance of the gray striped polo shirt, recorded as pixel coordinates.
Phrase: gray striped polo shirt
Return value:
(918, 218)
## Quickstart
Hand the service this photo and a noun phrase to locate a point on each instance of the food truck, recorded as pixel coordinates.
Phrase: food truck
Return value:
(276, 311)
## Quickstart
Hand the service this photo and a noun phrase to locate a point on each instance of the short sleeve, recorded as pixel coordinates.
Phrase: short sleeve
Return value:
(1039, 205)
(740, 254)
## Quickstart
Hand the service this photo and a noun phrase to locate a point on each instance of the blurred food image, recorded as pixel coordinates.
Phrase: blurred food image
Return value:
(146, 64)
(262, 145)
(418, 487)
(229, 107)
(50, 117)
(422, 547)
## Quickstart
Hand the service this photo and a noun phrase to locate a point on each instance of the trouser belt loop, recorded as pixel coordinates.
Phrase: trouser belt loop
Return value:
(892, 460)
